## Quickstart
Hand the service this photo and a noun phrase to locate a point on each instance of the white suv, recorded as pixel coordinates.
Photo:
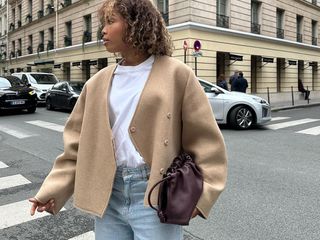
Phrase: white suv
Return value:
(40, 81)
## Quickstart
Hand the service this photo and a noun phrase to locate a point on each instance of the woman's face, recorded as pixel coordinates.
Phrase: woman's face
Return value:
(113, 32)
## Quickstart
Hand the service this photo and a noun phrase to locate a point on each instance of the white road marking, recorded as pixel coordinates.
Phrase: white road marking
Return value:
(291, 123)
(18, 133)
(3, 165)
(16, 213)
(85, 236)
(311, 131)
(48, 125)
(279, 118)
(13, 181)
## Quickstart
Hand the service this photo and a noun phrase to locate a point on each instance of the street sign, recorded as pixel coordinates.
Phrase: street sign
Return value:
(185, 45)
(235, 57)
(291, 62)
(267, 60)
(197, 45)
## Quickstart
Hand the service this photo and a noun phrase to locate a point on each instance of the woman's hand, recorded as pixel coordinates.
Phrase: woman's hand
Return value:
(195, 213)
(40, 207)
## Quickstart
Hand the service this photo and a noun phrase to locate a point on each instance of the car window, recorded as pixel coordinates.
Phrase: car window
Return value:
(206, 87)
(76, 86)
(43, 78)
(24, 79)
(4, 83)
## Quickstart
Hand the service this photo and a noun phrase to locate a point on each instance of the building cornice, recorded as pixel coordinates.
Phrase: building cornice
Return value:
(227, 31)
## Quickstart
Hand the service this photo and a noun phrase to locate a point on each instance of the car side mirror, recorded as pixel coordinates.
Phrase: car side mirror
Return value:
(215, 90)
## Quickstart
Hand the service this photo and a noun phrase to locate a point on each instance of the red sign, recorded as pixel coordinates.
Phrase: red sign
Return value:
(197, 45)
(185, 45)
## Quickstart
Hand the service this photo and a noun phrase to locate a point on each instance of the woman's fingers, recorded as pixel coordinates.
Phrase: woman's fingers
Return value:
(40, 207)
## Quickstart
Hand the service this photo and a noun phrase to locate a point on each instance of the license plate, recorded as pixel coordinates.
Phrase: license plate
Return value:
(17, 102)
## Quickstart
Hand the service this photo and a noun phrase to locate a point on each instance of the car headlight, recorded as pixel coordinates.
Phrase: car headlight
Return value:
(32, 92)
(260, 100)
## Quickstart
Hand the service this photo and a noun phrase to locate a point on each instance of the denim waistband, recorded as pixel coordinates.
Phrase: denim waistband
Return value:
(142, 171)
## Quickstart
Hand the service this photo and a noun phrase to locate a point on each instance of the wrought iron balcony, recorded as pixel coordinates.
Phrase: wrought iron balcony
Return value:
(280, 33)
(299, 37)
(255, 28)
(222, 21)
(314, 41)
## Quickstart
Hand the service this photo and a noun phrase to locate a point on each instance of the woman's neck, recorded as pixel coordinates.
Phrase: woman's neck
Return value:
(133, 59)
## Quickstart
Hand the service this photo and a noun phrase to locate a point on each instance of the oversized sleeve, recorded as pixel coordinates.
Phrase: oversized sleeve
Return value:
(59, 184)
(202, 138)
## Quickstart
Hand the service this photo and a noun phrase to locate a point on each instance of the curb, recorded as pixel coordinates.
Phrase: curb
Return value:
(275, 109)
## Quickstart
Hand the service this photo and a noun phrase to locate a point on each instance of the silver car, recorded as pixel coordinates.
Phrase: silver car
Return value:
(239, 110)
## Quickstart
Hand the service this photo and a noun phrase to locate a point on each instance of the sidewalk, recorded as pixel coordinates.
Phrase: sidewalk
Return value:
(277, 106)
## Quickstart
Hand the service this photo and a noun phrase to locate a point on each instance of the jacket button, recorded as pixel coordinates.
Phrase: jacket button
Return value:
(162, 171)
(169, 115)
(166, 142)
(133, 129)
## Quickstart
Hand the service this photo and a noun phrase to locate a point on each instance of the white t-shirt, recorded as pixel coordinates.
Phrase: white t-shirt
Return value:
(126, 87)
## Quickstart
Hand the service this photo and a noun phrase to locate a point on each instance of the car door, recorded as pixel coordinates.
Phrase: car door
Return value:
(55, 94)
(216, 99)
(64, 96)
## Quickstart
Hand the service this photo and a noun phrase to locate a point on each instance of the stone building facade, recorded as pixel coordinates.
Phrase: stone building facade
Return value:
(273, 42)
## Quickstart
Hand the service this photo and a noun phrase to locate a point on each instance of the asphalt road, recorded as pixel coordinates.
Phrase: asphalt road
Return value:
(272, 190)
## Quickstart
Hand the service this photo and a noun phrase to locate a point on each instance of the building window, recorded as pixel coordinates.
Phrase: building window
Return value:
(50, 44)
(29, 15)
(255, 16)
(12, 24)
(222, 13)
(163, 7)
(87, 33)
(41, 42)
(13, 49)
(41, 9)
(19, 15)
(280, 25)
(314, 32)
(314, 2)
(30, 44)
(68, 35)
(299, 28)
(18, 52)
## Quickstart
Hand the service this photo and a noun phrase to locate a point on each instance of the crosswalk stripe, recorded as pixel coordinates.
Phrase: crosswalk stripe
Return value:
(48, 125)
(311, 131)
(279, 118)
(16, 213)
(13, 181)
(3, 165)
(18, 133)
(85, 236)
(291, 123)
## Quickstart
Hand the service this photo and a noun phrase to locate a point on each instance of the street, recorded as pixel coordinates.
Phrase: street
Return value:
(272, 190)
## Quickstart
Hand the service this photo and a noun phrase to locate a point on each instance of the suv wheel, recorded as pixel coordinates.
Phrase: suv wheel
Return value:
(241, 117)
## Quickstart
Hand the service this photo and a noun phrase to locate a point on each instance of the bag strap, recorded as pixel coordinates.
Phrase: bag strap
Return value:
(151, 190)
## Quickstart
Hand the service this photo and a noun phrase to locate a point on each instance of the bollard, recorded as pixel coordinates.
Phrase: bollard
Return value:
(268, 93)
(292, 97)
(308, 95)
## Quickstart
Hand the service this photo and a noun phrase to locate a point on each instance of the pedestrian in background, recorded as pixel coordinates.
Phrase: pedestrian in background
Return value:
(240, 84)
(303, 90)
(222, 82)
(129, 123)
(233, 77)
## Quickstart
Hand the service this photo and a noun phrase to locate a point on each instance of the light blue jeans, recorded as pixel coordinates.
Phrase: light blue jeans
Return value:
(126, 217)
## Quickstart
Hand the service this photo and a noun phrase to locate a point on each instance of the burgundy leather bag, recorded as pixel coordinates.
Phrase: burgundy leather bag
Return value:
(179, 191)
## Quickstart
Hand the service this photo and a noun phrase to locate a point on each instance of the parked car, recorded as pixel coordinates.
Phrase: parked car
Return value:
(240, 110)
(14, 94)
(63, 95)
(40, 81)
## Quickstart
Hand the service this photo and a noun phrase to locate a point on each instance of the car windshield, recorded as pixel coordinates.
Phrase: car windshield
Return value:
(76, 86)
(4, 83)
(43, 79)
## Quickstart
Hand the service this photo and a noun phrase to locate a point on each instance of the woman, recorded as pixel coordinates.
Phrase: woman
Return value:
(127, 126)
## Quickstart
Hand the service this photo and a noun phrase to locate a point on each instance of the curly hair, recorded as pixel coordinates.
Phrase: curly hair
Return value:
(146, 30)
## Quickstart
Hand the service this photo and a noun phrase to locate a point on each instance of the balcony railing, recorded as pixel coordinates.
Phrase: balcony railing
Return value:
(299, 37)
(255, 28)
(314, 41)
(280, 33)
(314, 2)
(222, 21)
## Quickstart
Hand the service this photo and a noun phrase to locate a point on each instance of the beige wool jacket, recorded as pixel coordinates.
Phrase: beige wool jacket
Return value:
(173, 113)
